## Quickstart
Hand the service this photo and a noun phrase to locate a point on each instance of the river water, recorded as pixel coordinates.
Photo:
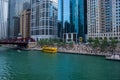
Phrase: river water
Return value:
(35, 65)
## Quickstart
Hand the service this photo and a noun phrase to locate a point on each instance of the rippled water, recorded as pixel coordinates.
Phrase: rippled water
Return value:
(35, 65)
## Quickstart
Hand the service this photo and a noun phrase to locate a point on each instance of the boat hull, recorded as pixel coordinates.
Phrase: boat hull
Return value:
(49, 49)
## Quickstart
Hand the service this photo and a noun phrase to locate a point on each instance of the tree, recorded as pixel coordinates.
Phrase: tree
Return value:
(96, 43)
(71, 44)
(41, 42)
(104, 44)
(90, 40)
(113, 45)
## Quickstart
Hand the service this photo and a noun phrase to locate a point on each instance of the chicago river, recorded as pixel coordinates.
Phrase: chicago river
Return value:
(35, 65)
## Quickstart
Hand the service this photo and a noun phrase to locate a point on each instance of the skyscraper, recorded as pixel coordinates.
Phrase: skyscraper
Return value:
(15, 9)
(25, 23)
(3, 18)
(44, 19)
(72, 18)
(103, 19)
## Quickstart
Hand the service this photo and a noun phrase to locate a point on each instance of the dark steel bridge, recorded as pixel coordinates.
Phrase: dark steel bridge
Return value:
(20, 42)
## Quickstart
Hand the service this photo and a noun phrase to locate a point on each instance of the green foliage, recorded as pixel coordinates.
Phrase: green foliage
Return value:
(104, 44)
(43, 42)
(90, 40)
(96, 43)
(51, 42)
(71, 44)
(113, 44)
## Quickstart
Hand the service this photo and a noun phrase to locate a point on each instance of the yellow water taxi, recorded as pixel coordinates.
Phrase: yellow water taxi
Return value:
(49, 49)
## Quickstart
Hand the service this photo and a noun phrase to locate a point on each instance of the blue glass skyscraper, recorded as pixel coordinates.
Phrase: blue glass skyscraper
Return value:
(72, 17)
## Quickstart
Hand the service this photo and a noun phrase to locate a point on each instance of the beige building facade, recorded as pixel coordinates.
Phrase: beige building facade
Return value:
(103, 19)
(25, 23)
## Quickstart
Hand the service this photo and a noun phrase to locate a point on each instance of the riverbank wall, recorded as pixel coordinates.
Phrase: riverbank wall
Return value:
(73, 52)
(64, 51)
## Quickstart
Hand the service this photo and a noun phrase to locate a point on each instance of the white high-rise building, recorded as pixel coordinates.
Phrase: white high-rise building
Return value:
(3, 18)
(43, 19)
(103, 18)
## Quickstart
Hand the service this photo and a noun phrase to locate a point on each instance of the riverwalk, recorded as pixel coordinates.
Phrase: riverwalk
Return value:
(81, 51)
(76, 50)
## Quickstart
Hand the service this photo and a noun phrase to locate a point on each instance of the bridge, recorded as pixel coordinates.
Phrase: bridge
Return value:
(20, 42)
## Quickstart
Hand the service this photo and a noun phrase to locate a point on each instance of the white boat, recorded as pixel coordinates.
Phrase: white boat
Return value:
(113, 57)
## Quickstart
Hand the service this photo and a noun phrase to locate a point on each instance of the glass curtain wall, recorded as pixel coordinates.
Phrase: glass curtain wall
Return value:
(71, 17)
